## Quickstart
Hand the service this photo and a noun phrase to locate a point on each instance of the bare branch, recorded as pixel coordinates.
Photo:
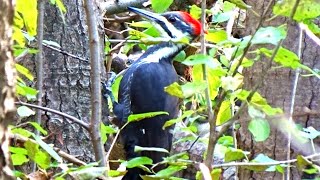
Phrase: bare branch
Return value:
(95, 57)
(73, 119)
(119, 6)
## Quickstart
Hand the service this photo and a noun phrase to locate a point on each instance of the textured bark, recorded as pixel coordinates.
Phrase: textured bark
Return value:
(7, 87)
(277, 88)
(67, 79)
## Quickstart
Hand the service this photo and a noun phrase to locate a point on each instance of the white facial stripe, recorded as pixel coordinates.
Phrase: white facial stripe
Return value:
(161, 53)
(174, 31)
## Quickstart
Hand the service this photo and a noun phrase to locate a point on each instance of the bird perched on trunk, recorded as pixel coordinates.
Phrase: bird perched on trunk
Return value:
(142, 87)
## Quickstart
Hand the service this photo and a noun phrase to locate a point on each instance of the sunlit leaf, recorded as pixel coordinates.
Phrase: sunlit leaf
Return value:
(88, 173)
(28, 11)
(156, 149)
(231, 82)
(216, 174)
(105, 131)
(138, 117)
(179, 119)
(271, 35)
(174, 89)
(240, 4)
(169, 171)
(195, 11)
(307, 9)
(202, 59)
(22, 132)
(24, 71)
(216, 36)
(310, 133)
(18, 150)
(259, 128)
(48, 148)
(19, 159)
(160, 6)
(135, 162)
(52, 43)
(224, 113)
(234, 155)
(38, 156)
(226, 141)
(24, 111)
(38, 127)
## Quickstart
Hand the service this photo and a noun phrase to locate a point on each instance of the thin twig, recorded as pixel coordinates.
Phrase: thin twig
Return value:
(64, 52)
(73, 119)
(95, 57)
(39, 65)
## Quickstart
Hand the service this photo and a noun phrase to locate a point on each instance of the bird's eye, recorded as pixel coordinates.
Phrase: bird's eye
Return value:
(172, 19)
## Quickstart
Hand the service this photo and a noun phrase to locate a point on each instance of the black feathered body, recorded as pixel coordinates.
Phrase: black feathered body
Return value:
(142, 90)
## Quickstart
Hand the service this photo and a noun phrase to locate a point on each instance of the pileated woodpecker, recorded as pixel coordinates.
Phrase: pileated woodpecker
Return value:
(142, 87)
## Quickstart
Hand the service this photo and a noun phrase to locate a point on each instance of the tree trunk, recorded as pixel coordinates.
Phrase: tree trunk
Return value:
(67, 79)
(7, 87)
(277, 89)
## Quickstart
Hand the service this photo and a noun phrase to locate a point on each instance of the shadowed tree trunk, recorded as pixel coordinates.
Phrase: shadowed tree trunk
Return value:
(7, 87)
(277, 88)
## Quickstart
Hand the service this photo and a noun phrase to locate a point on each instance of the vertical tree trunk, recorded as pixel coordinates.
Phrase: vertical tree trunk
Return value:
(7, 87)
(277, 88)
(67, 79)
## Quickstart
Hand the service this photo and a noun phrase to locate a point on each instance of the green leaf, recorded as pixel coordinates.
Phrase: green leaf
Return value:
(261, 158)
(202, 59)
(234, 155)
(310, 133)
(18, 37)
(156, 149)
(284, 57)
(226, 141)
(38, 156)
(240, 4)
(138, 117)
(213, 78)
(48, 148)
(271, 35)
(307, 9)
(24, 71)
(114, 173)
(22, 132)
(222, 17)
(174, 89)
(160, 6)
(216, 36)
(312, 26)
(255, 113)
(24, 111)
(258, 102)
(28, 92)
(105, 130)
(138, 161)
(179, 119)
(195, 11)
(224, 113)
(302, 162)
(19, 159)
(52, 43)
(169, 171)
(61, 6)
(260, 129)
(28, 11)
(231, 83)
(18, 150)
(38, 127)
(216, 174)
(88, 173)
(115, 87)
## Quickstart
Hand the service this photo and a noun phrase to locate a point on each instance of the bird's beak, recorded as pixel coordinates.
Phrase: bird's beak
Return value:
(147, 14)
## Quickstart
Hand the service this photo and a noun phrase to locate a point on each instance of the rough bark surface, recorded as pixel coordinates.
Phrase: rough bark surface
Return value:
(67, 79)
(7, 87)
(277, 88)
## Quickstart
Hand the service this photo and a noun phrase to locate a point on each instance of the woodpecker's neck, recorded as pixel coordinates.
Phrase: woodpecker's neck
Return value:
(165, 51)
